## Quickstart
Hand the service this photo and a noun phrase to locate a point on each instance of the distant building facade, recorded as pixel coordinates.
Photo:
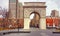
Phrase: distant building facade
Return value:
(13, 8)
(53, 19)
(54, 13)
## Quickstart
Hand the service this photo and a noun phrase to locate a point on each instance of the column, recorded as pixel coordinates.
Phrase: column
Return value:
(42, 23)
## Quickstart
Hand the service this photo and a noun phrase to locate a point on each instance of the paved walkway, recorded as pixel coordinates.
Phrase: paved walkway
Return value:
(34, 32)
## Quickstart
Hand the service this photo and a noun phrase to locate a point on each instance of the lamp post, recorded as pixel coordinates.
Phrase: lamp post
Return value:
(17, 20)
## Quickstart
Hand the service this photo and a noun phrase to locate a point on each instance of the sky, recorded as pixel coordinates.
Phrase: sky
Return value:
(51, 4)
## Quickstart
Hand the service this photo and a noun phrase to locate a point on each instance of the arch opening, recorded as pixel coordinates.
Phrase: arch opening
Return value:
(34, 20)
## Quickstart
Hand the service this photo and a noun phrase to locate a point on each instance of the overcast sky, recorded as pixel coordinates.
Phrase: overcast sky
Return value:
(51, 4)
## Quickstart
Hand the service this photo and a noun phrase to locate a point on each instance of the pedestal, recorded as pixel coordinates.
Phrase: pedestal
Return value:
(42, 23)
(26, 23)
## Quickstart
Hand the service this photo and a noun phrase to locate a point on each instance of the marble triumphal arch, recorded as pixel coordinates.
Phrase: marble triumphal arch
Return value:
(38, 7)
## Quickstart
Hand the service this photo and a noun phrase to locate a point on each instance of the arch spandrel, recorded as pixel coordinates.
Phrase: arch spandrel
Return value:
(28, 11)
